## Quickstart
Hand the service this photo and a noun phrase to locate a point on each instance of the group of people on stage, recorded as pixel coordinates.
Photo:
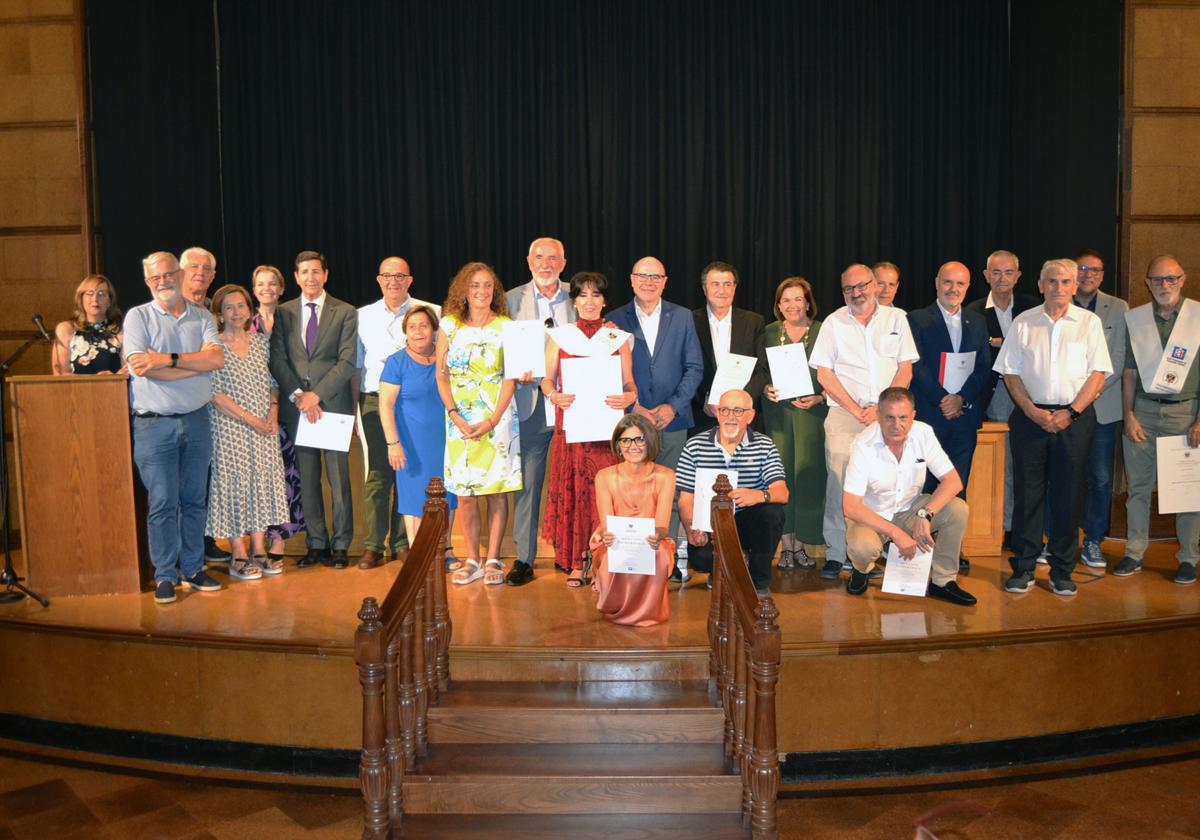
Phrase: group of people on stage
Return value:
(880, 452)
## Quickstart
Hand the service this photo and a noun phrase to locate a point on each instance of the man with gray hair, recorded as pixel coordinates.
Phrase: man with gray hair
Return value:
(1054, 362)
(170, 347)
(862, 349)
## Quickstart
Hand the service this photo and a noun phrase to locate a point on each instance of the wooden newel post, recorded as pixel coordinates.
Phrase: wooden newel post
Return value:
(764, 755)
(372, 766)
(435, 499)
(716, 638)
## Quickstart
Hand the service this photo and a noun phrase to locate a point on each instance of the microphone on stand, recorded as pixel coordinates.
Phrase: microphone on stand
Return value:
(41, 325)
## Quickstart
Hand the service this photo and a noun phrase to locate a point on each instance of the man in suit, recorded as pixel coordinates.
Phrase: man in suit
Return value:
(724, 329)
(314, 352)
(545, 299)
(887, 275)
(667, 364)
(1111, 312)
(999, 308)
(940, 329)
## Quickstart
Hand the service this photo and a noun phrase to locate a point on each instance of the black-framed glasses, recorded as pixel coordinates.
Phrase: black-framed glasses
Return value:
(395, 278)
(726, 411)
(653, 278)
(855, 290)
(1091, 269)
(1166, 279)
(627, 442)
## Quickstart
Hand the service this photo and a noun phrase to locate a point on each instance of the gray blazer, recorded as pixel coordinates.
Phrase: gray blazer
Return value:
(332, 366)
(523, 307)
(1111, 312)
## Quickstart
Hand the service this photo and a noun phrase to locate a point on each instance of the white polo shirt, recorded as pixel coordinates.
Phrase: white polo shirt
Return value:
(864, 358)
(380, 334)
(1054, 358)
(887, 485)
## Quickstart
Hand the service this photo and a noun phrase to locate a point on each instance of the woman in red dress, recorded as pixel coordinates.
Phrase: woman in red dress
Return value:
(571, 508)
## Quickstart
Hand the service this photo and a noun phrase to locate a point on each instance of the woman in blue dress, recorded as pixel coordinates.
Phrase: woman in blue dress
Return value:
(414, 419)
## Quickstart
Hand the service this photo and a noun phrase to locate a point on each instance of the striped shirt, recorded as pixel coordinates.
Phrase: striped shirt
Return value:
(756, 460)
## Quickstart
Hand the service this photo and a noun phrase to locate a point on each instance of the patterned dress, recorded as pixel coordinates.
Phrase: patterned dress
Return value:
(571, 503)
(96, 349)
(246, 490)
(491, 464)
(294, 523)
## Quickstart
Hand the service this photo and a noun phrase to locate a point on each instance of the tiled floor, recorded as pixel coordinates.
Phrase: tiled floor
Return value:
(1155, 802)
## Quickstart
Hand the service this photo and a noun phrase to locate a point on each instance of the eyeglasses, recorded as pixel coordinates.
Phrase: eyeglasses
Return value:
(626, 442)
(1091, 269)
(95, 293)
(653, 278)
(856, 290)
(395, 278)
(1166, 279)
(725, 411)
(997, 273)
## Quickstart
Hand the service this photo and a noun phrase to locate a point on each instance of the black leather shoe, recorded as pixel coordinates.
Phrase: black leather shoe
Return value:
(340, 560)
(519, 575)
(964, 565)
(314, 556)
(857, 584)
(1006, 543)
(951, 593)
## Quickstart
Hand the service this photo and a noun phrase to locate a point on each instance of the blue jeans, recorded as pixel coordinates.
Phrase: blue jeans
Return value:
(172, 456)
(1099, 482)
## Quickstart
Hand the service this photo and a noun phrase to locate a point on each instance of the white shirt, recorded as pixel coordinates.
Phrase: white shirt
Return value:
(864, 359)
(380, 334)
(649, 323)
(953, 325)
(1054, 358)
(306, 312)
(1004, 316)
(887, 485)
(554, 308)
(722, 333)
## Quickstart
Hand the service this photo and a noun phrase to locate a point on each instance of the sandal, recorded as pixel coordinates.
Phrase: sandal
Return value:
(470, 572)
(577, 582)
(786, 560)
(453, 564)
(243, 569)
(494, 576)
(270, 564)
(802, 558)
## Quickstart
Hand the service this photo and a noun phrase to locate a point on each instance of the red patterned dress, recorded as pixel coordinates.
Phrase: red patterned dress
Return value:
(571, 515)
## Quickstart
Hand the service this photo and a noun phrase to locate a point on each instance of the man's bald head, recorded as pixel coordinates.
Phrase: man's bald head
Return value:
(953, 280)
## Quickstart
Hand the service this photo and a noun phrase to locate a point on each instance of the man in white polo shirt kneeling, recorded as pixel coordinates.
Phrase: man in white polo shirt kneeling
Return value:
(882, 497)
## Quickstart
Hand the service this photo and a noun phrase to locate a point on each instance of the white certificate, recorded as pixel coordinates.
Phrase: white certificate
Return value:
(907, 575)
(790, 373)
(732, 375)
(603, 343)
(706, 477)
(955, 369)
(592, 381)
(1178, 475)
(524, 348)
(332, 431)
(630, 553)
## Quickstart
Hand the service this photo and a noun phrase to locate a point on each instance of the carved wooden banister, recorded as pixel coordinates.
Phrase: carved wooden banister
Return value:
(402, 651)
(744, 657)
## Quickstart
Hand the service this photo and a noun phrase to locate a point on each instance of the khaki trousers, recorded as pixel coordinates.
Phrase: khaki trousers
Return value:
(864, 544)
(1159, 420)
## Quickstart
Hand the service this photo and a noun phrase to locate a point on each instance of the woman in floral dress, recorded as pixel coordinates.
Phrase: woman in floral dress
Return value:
(483, 447)
(91, 341)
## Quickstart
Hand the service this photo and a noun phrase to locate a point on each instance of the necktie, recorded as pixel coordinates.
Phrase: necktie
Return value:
(310, 332)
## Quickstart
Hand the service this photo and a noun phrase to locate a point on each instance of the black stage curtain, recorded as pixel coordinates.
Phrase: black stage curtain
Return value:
(783, 137)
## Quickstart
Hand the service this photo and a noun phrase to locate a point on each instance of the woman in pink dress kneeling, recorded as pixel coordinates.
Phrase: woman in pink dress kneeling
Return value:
(636, 486)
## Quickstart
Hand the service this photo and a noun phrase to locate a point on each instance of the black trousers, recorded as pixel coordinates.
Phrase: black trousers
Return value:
(760, 528)
(1049, 485)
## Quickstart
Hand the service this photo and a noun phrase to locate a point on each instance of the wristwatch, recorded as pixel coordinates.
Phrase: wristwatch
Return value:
(1075, 415)
(766, 496)
(174, 360)
(924, 513)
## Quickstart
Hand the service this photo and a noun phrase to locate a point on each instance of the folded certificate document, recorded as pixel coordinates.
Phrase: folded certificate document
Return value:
(332, 431)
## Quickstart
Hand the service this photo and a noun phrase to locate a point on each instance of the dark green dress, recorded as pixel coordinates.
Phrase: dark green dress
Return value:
(799, 435)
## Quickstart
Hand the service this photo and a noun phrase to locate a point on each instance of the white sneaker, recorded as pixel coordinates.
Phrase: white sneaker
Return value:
(1044, 558)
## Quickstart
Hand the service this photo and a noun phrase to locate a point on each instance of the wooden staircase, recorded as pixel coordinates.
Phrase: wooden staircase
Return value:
(648, 759)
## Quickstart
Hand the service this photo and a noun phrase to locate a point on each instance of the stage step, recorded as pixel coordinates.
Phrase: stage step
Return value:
(578, 713)
(607, 827)
(573, 779)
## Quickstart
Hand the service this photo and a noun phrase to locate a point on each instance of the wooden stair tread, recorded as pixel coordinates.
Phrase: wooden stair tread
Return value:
(600, 695)
(589, 827)
(561, 761)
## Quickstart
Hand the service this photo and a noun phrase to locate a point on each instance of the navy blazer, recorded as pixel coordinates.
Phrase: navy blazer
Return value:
(747, 336)
(673, 373)
(1021, 302)
(933, 339)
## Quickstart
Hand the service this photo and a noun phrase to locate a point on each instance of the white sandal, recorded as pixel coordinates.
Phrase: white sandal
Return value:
(244, 568)
(470, 572)
(494, 576)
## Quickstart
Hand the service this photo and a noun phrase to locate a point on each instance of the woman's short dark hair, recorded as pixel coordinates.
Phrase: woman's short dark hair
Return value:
(421, 309)
(581, 279)
(653, 441)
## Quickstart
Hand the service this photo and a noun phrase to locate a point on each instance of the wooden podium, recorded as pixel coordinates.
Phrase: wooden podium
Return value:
(985, 493)
(73, 466)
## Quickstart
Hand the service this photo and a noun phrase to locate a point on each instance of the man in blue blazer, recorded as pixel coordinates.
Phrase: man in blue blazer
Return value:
(943, 328)
(667, 362)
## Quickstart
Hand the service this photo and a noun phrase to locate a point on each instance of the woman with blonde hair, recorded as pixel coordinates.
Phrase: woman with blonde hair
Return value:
(91, 341)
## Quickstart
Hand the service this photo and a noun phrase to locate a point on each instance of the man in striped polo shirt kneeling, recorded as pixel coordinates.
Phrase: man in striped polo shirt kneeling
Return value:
(753, 465)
